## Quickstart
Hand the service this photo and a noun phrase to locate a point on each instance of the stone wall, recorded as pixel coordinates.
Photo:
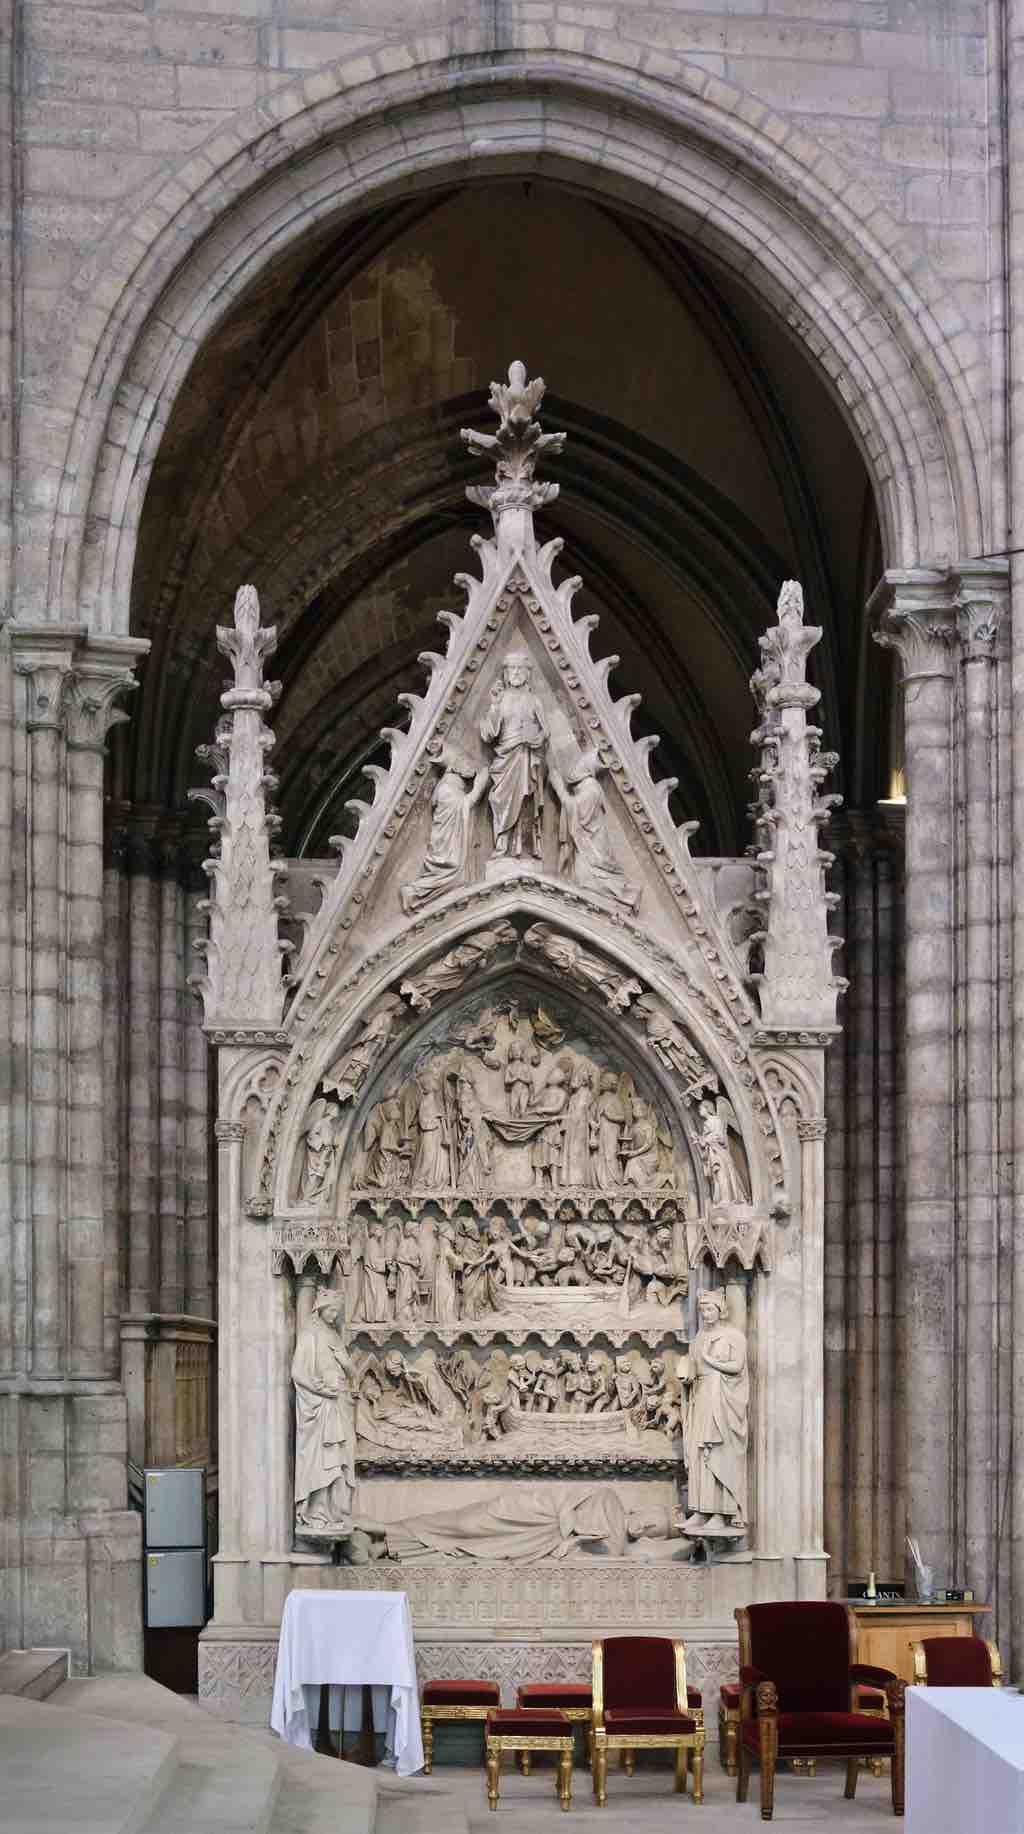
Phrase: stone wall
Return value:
(130, 138)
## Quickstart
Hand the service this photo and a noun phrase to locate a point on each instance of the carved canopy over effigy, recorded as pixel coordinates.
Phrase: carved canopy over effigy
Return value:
(517, 1116)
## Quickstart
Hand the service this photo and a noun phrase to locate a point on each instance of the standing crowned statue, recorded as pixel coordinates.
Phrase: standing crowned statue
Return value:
(515, 724)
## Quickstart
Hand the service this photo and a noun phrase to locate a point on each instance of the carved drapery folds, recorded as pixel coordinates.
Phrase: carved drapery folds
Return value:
(243, 985)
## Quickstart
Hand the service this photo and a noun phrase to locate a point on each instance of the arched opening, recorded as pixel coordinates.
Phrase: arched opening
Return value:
(314, 448)
(724, 435)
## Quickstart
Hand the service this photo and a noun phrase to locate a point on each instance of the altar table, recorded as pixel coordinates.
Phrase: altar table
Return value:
(965, 1761)
(348, 1639)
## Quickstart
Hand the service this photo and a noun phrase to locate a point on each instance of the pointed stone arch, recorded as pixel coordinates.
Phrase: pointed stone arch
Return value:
(684, 148)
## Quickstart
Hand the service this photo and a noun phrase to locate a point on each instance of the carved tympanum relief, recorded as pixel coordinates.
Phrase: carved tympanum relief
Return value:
(511, 1099)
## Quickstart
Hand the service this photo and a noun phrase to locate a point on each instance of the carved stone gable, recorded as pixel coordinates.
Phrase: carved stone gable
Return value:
(519, 763)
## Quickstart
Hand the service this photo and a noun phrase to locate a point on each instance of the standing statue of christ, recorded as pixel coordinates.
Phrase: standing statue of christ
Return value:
(516, 726)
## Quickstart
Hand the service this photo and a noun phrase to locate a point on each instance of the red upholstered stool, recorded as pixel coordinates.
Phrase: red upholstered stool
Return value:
(523, 1730)
(459, 1699)
(573, 1698)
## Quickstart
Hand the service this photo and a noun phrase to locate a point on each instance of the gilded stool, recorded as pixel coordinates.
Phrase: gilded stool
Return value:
(573, 1698)
(525, 1731)
(454, 1701)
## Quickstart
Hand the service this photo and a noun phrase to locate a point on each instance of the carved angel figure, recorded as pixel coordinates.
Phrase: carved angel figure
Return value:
(459, 790)
(347, 1076)
(669, 1042)
(325, 1473)
(579, 964)
(473, 952)
(726, 1175)
(320, 1152)
(516, 725)
(585, 852)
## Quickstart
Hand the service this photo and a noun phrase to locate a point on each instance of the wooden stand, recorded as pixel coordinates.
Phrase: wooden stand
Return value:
(365, 1751)
(886, 1634)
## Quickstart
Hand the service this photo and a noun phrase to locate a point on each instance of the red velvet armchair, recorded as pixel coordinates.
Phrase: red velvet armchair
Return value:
(957, 1662)
(641, 1701)
(799, 1674)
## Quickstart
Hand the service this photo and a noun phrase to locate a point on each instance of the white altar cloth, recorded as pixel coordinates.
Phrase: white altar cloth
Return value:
(965, 1761)
(346, 1639)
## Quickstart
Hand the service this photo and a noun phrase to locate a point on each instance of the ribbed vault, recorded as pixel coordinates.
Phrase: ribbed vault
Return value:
(315, 451)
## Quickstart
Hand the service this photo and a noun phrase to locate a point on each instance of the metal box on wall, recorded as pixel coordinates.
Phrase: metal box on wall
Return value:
(175, 1507)
(176, 1588)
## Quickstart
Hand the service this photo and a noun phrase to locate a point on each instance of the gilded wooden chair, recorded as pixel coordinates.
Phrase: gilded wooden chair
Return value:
(800, 1679)
(642, 1703)
(957, 1662)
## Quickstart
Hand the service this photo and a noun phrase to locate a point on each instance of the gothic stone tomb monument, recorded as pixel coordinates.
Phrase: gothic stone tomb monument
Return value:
(520, 1153)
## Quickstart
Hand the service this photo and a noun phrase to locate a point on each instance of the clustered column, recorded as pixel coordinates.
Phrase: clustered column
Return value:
(944, 628)
(157, 1107)
(863, 1237)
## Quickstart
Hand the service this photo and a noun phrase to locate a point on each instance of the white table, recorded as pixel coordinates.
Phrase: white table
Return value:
(349, 1639)
(965, 1761)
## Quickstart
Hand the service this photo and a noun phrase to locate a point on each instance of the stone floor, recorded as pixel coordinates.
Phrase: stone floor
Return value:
(645, 1803)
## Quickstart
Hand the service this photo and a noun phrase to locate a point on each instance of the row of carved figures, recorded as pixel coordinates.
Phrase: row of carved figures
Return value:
(579, 1127)
(443, 1405)
(405, 1272)
(402, 1404)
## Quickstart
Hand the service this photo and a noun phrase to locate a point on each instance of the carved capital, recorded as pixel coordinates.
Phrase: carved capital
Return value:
(43, 659)
(228, 1130)
(815, 1127)
(913, 612)
(90, 703)
(980, 604)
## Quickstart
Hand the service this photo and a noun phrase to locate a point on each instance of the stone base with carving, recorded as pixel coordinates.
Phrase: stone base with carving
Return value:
(514, 1622)
(236, 1673)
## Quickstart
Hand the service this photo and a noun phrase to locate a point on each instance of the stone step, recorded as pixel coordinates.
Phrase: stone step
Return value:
(225, 1782)
(63, 1769)
(419, 1805)
(33, 1673)
(231, 1779)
